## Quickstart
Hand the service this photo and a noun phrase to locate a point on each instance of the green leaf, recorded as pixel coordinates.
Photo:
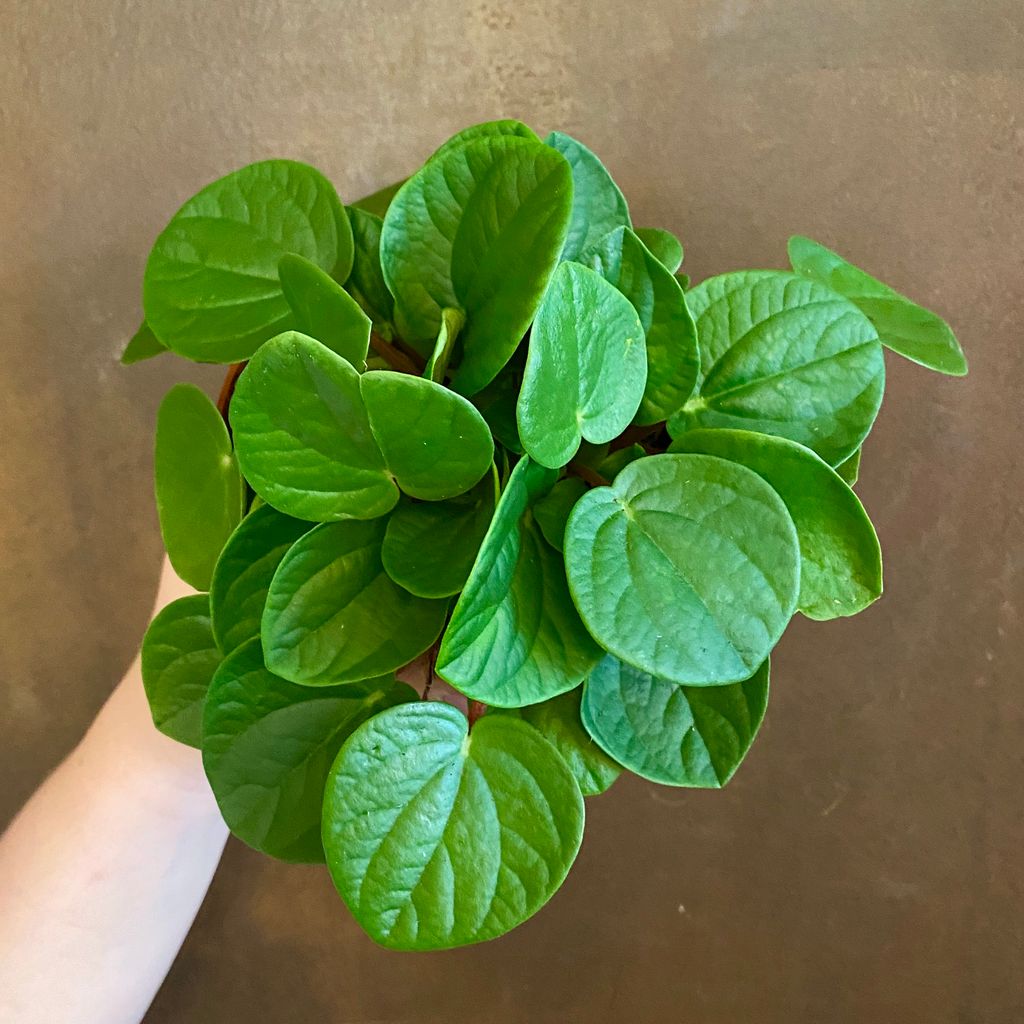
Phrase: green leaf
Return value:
(434, 441)
(144, 344)
(478, 228)
(675, 735)
(905, 327)
(840, 560)
(366, 282)
(849, 469)
(505, 126)
(664, 246)
(673, 361)
(179, 658)
(687, 567)
(437, 837)
(598, 206)
(515, 637)
(585, 370)
(497, 405)
(552, 511)
(269, 744)
(324, 310)
(785, 356)
(333, 614)
(211, 290)
(429, 547)
(558, 721)
(377, 203)
(614, 464)
(243, 573)
(198, 490)
(437, 365)
(302, 434)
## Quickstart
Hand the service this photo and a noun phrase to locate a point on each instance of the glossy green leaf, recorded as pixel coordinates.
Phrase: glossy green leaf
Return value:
(377, 203)
(334, 615)
(849, 469)
(478, 228)
(198, 489)
(211, 290)
(598, 206)
(687, 566)
(434, 442)
(366, 282)
(558, 721)
(437, 365)
(497, 405)
(269, 744)
(787, 356)
(552, 511)
(664, 246)
(179, 659)
(905, 327)
(504, 126)
(324, 310)
(515, 637)
(436, 837)
(430, 547)
(675, 735)
(303, 437)
(840, 560)
(144, 344)
(244, 570)
(612, 465)
(585, 370)
(672, 358)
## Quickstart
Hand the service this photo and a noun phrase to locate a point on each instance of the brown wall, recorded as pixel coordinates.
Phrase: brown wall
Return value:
(865, 865)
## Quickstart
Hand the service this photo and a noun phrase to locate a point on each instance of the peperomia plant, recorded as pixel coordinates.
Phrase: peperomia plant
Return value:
(480, 421)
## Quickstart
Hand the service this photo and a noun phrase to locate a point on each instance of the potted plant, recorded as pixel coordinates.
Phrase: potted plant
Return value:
(481, 421)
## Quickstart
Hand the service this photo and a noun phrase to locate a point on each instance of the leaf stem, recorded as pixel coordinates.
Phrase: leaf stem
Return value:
(394, 355)
(636, 434)
(227, 389)
(587, 474)
(431, 662)
(474, 711)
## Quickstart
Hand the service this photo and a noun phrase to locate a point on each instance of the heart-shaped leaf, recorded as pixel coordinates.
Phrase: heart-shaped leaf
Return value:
(586, 367)
(324, 310)
(552, 511)
(478, 228)
(504, 126)
(664, 246)
(687, 566)
(673, 361)
(787, 356)
(366, 282)
(243, 573)
(179, 659)
(334, 615)
(840, 560)
(429, 547)
(905, 327)
(211, 290)
(302, 434)
(437, 837)
(515, 637)
(144, 344)
(198, 488)
(434, 442)
(268, 745)
(558, 721)
(675, 735)
(598, 206)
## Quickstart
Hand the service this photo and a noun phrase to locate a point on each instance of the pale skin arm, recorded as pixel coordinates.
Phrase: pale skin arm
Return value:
(103, 871)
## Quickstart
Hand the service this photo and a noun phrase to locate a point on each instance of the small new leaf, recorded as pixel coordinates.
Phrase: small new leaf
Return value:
(664, 246)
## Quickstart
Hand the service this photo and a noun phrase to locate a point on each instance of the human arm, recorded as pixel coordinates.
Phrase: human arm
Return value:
(104, 869)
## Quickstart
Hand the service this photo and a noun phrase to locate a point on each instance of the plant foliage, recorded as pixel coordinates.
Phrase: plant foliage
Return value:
(485, 423)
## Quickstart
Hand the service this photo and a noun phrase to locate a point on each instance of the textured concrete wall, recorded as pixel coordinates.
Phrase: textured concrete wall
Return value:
(865, 863)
